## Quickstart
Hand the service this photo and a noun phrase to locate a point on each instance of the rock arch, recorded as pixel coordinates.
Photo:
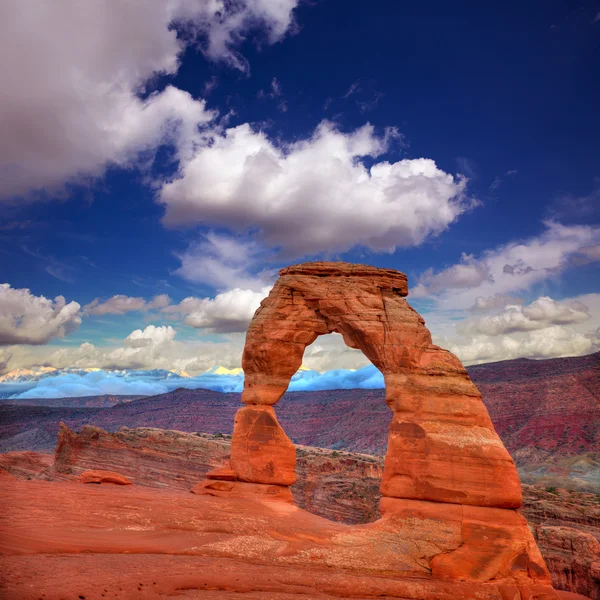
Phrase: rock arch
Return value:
(442, 446)
(449, 487)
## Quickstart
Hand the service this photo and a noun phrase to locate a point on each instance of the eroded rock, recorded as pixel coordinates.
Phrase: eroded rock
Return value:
(104, 477)
(449, 485)
(442, 445)
(261, 452)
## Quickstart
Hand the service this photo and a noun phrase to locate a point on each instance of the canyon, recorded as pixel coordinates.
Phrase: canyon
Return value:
(546, 412)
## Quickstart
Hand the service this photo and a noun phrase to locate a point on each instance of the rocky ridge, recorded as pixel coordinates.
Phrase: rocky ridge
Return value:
(525, 411)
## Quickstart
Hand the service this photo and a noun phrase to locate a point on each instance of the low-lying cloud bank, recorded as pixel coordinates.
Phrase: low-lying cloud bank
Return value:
(77, 383)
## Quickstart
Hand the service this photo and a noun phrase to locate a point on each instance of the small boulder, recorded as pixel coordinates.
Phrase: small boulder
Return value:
(104, 477)
(222, 473)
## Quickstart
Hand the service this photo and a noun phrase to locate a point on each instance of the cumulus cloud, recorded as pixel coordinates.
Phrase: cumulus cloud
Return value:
(550, 342)
(150, 336)
(225, 262)
(544, 328)
(329, 352)
(314, 194)
(29, 319)
(77, 76)
(510, 268)
(228, 312)
(495, 302)
(154, 347)
(469, 273)
(542, 313)
(120, 305)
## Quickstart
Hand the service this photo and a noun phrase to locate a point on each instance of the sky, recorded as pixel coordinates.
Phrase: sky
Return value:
(160, 162)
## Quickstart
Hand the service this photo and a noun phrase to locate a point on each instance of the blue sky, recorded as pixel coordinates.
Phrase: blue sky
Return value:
(190, 150)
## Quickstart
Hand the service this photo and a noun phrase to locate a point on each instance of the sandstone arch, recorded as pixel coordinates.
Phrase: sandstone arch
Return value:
(449, 487)
(442, 446)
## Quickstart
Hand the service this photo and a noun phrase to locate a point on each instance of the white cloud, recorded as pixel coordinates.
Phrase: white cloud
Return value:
(510, 268)
(330, 352)
(545, 328)
(550, 342)
(469, 273)
(315, 194)
(151, 348)
(497, 301)
(225, 23)
(224, 262)
(228, 312)
(150, 336)
(120, 305)
(29, 319)
(540, 314)
(73, 73)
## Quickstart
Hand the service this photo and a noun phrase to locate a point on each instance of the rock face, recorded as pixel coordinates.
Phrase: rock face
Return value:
(261, 452)
(449, 486)
(155, 457)
(26, 465)
(566, 527)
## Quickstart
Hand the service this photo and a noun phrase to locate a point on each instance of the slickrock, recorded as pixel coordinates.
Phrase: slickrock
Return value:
(133, 541)
(222, 474)
(339, 486)
(241, 489)
(104, 477)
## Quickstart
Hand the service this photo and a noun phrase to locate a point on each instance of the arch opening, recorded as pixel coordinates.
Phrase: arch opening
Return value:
(339, 466)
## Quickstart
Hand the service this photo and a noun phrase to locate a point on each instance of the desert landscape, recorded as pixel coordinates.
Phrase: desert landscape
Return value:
(299, 299)
(334, 506)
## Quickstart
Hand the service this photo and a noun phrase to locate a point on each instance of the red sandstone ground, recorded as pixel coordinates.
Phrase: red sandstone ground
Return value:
(339, 486)
(62, 540)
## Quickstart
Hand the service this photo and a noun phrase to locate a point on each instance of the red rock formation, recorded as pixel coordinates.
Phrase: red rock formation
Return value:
(26, 465)
(261, 452)
(66, 540)
(99, 476)
(339, 486)
(448, 482)
(566, 527)
(442, 445)
(148, 456)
